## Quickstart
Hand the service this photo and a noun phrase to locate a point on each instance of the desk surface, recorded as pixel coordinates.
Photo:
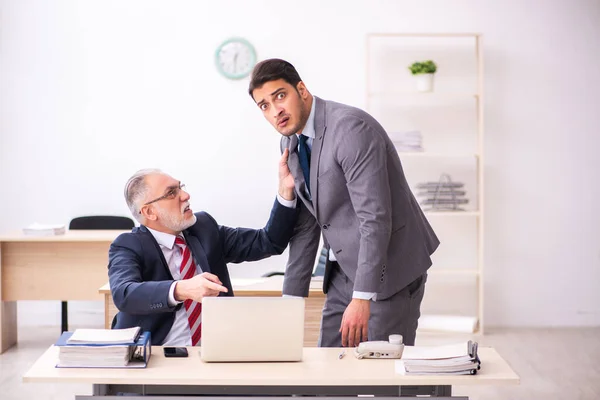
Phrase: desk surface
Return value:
(321, 367)
(69, 236)
(257, 286)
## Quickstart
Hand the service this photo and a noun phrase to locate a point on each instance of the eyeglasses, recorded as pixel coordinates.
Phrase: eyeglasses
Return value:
(170, 195)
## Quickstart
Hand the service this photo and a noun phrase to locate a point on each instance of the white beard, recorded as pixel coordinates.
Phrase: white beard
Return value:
(172, 222)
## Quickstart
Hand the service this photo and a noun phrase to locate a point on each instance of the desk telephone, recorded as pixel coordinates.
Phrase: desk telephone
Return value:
(380, 348)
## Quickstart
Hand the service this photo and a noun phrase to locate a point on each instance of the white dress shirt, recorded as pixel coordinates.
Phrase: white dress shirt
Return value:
(309, 132)
(180, 334)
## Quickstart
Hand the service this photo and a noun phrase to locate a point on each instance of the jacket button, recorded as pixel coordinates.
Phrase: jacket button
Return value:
(325, 226)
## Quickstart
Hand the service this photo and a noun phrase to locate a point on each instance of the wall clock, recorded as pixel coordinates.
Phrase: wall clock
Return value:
(235, 58)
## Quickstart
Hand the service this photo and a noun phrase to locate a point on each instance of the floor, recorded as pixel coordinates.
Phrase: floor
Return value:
(552, 364)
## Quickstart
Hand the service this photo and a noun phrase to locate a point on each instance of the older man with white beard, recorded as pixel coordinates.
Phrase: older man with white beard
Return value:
(160, 272)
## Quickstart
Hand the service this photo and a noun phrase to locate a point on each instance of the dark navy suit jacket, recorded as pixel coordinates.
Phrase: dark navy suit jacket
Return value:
(140, 278)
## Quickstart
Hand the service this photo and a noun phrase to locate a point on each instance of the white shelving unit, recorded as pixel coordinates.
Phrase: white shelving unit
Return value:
(450, 120)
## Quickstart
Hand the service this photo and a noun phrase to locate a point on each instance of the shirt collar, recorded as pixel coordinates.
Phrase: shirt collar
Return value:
(164, 239)
(309, 128)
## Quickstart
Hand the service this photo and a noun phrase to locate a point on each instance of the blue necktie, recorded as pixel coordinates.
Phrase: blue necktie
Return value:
(304, 156)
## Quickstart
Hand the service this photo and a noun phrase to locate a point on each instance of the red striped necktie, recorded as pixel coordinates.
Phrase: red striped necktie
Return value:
(193, 308)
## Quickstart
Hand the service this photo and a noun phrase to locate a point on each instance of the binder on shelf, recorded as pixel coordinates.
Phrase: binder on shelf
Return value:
(134, 354)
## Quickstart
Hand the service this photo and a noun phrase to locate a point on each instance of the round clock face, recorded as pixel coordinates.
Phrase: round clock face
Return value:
(235, 58)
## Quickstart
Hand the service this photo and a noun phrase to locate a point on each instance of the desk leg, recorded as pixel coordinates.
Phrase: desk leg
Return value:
(8, 325)
(107, 301)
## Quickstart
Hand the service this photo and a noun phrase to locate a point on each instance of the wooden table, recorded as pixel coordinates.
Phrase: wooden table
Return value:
(66, 267)
(256, 287)
(320, 373)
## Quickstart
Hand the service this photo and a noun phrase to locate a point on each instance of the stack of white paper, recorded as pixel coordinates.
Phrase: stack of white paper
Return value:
(44, 230)
(407, 141)
(104, 336)
(456, 359)
(97, 347)
(95, 356)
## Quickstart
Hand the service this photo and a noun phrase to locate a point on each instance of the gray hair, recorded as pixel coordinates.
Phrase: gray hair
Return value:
(136, 190)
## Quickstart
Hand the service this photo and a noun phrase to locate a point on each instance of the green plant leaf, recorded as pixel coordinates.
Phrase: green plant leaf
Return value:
(423, 67)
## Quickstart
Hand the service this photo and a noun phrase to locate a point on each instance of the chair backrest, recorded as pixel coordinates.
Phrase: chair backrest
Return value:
(318, 269)
(102, 222)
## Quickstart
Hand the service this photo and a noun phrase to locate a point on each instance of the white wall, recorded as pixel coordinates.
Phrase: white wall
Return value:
(92, 91)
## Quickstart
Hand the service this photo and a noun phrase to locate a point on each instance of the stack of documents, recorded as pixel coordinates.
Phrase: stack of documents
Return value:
(456, 359)
(410, 141)
(102, 348)
(104, 336)
(94, 356)
(443, 195)
(44, 230)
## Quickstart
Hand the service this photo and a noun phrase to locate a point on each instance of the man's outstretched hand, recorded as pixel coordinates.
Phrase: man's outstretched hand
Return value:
(198, 287)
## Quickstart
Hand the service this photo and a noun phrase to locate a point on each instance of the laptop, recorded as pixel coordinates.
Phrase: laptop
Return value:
(252, 329)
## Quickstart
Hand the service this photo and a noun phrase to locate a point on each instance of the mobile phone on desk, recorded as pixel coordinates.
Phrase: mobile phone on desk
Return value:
(175, 351)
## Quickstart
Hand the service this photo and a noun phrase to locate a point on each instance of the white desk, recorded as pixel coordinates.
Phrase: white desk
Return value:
(320, 373)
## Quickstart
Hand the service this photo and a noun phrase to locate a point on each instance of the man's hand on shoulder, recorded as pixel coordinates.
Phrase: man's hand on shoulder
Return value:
(203, 285)
(355, 323)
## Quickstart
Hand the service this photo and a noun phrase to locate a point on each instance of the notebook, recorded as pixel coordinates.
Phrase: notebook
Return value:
(252, 329)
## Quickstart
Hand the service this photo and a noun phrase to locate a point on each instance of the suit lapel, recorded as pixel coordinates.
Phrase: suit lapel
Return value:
(320, 126)
(291, 143)
(156, 246)
(197, 251)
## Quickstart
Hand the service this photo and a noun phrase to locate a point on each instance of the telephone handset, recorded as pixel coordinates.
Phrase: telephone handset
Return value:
(380, 348)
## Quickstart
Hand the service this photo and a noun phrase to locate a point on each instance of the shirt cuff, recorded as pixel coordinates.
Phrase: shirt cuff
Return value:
(364, 295)
(286, 203)
(172, 301)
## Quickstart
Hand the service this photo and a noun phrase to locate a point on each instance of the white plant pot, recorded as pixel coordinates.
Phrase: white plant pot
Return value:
(424, 82)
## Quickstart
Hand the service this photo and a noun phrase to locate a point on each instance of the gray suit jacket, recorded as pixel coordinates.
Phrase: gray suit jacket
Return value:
(361, 203)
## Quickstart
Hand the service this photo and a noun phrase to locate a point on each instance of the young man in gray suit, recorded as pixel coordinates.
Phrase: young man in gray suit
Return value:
(352, 188)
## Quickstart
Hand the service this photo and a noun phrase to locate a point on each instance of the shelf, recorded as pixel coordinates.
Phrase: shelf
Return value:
(425, 34)
(451, 122)
(452, 213)
(424, 154)
(453, 271)
(425, 95)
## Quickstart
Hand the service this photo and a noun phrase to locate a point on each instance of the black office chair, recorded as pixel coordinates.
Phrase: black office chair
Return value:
(95, 222)
(319, 270)
(102, 222)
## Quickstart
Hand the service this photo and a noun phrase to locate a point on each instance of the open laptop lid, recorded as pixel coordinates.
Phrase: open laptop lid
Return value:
(252, 329)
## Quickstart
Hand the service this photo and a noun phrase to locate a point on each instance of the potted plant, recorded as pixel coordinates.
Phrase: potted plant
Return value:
(423, 72)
